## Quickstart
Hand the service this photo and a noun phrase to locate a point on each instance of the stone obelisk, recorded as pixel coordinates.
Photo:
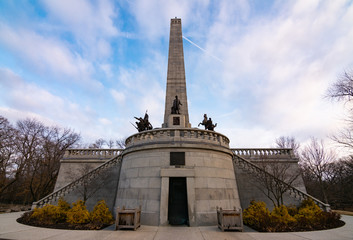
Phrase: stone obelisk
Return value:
(176, 84)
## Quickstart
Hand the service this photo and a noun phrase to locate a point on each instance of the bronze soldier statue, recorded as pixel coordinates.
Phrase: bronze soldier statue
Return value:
(176, 106)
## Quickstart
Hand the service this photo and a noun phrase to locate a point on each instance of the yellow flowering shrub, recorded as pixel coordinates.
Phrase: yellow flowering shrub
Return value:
(63, 205)
(101, 214)
(308, 216)
(49, 214)
(292, 210)
(280, 214)
(280, 219)
(63, 216)
(256, 215)
(78, 214)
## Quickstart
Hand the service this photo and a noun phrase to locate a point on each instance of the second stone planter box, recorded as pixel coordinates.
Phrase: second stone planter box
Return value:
(230, 219)
(128, 218)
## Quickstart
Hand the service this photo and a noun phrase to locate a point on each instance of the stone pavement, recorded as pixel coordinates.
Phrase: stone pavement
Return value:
(10, 229)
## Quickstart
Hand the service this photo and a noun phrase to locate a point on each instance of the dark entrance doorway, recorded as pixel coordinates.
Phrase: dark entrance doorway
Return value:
(178, 202)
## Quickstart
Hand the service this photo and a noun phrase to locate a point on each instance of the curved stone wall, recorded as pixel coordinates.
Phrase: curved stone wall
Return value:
(168, 135)
(208, 169)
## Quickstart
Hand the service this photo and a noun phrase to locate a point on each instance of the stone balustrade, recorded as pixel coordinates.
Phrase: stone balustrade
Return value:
(91, 153)
(184, 135)
(284, 153)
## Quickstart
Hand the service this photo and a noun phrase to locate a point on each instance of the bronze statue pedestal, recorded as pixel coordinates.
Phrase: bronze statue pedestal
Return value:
(176, 121)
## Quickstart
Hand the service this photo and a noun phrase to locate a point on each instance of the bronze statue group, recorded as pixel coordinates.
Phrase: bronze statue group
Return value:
(143, 124)
(207, 123)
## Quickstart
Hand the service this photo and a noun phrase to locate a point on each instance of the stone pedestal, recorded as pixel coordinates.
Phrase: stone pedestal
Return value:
(176, 121)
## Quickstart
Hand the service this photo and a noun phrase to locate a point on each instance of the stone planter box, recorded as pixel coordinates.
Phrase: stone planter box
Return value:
(128, 218)
(230, 219)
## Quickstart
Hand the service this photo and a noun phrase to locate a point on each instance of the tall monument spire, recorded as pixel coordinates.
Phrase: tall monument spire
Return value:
(176, 84)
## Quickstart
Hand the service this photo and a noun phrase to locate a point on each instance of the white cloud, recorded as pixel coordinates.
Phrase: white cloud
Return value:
(26, 96)
(153, 102)
(277, 65)
(48, 55)
(14, 115)
(255, 137)
(29, 100)
(90, 22)
(105, 121)
(84, 17)
(119, 97)
(153, 17)
(107, 69)
(276, 70)
(141, 88)
(285, 63)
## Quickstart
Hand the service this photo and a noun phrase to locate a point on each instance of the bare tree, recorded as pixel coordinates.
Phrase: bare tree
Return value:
(55, 142)
(41, 148)
(8, 172)
(342, 89)
(29, 144)
(99, 143)
(110, 143)
(30, 156)
(315, 160)
(120, 143)
(288, 142)
(272, 184)
(340, 183)
(102, 143)
(89, 186)
(344, 137)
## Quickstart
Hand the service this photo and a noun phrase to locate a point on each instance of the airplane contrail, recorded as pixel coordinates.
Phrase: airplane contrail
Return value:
(202, 49)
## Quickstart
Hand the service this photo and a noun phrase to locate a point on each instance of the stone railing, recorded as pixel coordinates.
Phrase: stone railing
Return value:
(178, 134)
(91, 153)
(293, 191)
(73, 185)
(284, 153)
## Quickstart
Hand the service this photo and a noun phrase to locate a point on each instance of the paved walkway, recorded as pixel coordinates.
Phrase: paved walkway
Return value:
(10, 229)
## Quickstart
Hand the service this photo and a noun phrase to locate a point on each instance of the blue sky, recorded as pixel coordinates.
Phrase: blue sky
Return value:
(94, 65)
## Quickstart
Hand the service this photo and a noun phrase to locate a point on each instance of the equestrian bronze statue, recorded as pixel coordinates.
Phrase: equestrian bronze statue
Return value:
(143, 124)
(207, 123)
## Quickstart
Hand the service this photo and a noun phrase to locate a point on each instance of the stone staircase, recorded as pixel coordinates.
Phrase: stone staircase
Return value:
(238, 159)
(71, 186)
(256, 171)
